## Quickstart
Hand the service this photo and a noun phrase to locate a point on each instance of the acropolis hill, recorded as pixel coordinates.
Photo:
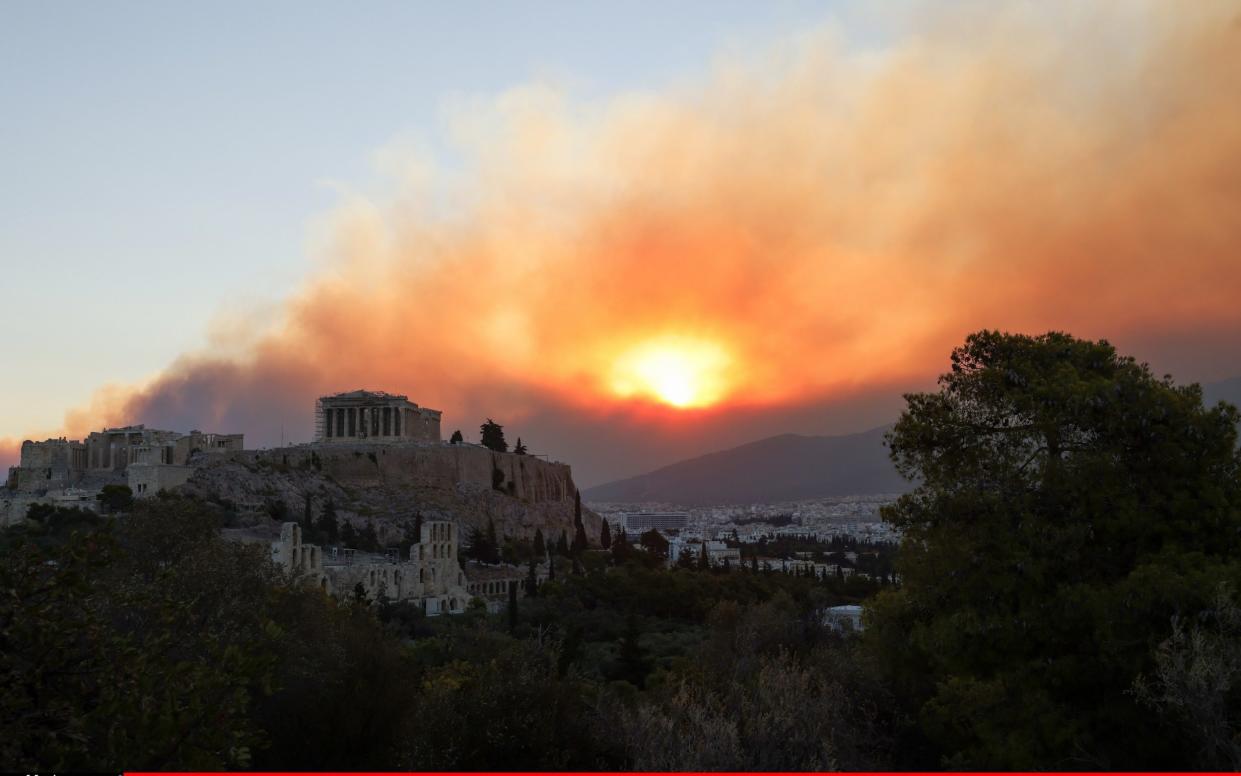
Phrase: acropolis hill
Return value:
(378, 458)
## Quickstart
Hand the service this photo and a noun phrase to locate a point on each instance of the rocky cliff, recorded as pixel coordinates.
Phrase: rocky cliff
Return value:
(388, 484)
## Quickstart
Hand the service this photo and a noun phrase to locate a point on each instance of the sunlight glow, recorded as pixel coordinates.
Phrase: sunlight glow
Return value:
(677, 371)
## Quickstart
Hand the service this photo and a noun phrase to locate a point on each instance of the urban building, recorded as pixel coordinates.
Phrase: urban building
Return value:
(660, 521)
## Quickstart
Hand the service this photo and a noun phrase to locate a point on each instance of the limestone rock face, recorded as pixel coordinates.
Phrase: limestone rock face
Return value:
(388, 484)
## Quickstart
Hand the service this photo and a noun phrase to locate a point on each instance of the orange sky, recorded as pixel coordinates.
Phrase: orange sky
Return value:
(804, 227)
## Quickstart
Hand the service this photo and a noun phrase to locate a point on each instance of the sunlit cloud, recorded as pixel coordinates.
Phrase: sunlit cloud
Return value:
(793, 228)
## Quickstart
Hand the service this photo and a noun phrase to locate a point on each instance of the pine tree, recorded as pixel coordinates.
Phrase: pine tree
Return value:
(456, 438)
(493, 436)
(704, 560)
(685, 559)
(540, 545)
(562, 545)
(605, 536)
(520, 449)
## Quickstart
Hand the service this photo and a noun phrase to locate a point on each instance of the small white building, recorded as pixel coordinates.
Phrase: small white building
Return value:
(843, 619)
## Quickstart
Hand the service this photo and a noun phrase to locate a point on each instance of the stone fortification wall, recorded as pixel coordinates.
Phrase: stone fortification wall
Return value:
(529, 479)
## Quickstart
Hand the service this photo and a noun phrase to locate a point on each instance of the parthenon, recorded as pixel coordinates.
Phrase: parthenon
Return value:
(374, 416)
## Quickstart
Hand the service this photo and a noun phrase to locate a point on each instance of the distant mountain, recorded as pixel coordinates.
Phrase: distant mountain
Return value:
(780, 468)
(791, 467)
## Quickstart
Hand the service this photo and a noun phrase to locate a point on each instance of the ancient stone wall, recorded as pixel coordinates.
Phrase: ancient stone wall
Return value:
(147, 479)
(532, 480)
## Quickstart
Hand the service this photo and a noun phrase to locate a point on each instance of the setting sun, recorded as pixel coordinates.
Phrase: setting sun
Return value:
(676, 371)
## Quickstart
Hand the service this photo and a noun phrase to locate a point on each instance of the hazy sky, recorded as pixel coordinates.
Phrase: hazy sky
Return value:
(162, 162)
(629, 232)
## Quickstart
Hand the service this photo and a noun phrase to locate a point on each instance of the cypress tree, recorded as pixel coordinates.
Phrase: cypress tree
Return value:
(704, 560)
(493, 544)
(551, 568)
(605, 536)
(328, 527)
(512, 606)
(577, 508)
(540, 545)
(579, 541)
(532, 580)
(562, 545)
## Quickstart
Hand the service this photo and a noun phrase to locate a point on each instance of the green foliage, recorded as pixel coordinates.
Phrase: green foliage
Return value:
(540, 546)
(456, 438)
(1069, 505)
(520, 449)
(493, 436)
(327, 525)
(654, 542)
(605, 535)
(140, 645)
(580, 542)
(483, 545)
(115, 498)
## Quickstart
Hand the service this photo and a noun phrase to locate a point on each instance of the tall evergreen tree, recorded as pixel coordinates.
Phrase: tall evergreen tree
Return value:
(551, 567)
(633, 662)
(532, 579)
(605, 536)
(704, 560)
(493, 543)
(329, 529)
(620, 546)
(520, 449)
(456, 438)
(417, 527)
(493, 436)
(512, 606)
(577, 507)
(579, 541)
(540, 545)
(562, 545)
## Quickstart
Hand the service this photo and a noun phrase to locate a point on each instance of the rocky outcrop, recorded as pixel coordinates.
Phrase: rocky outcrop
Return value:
(389, 484)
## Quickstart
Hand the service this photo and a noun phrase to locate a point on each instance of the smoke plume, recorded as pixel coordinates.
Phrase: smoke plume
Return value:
(816, 222)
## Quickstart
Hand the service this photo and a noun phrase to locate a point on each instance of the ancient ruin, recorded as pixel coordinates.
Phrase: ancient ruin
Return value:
(429, 576)
(70, 472)
(374, 416)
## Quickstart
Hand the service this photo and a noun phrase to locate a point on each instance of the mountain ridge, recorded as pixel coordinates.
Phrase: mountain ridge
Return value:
(783, 467)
